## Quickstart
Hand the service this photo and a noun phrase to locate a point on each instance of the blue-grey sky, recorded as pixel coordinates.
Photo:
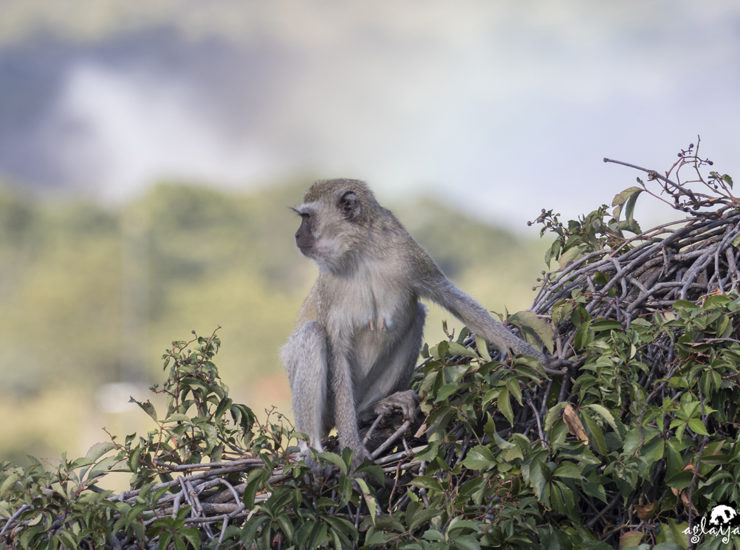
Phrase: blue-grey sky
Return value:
(503, 107)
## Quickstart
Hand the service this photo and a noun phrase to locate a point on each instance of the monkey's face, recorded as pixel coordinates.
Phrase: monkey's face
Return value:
(328, 233)
(304, 237)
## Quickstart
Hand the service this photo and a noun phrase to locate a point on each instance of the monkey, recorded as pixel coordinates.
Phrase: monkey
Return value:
(359, 331)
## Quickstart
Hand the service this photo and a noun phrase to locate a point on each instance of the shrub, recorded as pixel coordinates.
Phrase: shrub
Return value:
(627, 439)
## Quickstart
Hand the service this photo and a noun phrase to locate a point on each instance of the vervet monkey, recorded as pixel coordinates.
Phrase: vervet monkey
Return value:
(359, 331)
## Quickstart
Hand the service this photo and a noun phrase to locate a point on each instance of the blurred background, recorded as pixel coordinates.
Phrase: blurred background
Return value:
(149, 152)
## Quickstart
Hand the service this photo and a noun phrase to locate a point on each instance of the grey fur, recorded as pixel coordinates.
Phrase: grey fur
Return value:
(359, 331)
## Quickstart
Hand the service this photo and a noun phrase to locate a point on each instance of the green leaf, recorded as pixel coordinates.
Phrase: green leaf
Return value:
(249, 531)
(427, 482)
(596, 436)
(68, 539)
(482, 346)
(459, 349)
(501, 443)
(674, 462)
(490, 395)
(335, 459)
(8, 482)
(479, 458)
(503, 403)
(679, 480)
(582, 336)
(535, 476)
(602, 411)
(446, 391)
(532, 325)
(458, 523)
(602, 325)
(433, 534)
(697, 426)
(594, 489)
(99, 449)
(286, 525)
(629, 211)
(561, 497)
(103, 467)
(192, 536)
(672, 532)
(422, 516)
(623, 196)
(147, 407)
(133, 459)
(164, 540)
(429, 453)
(370, 501)
(211, 435)
(440, 350)
(255, 480)
(653, 450)
(569, 470)
(466, 542)
(514, 389)
(378, 538)
(178, 417)
(553, 415)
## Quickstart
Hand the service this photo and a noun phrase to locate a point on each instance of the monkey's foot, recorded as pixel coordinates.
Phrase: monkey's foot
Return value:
(406, 400)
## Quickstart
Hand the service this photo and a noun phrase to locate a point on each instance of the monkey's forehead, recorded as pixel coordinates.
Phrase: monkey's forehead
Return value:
(332, 188)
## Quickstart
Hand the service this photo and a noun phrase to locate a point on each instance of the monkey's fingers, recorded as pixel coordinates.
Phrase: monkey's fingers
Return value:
(406, 400)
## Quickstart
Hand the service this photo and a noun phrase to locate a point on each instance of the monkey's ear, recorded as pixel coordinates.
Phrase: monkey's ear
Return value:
(350, 205)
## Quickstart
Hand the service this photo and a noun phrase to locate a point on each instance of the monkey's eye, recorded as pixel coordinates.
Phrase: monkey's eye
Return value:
(305, 215)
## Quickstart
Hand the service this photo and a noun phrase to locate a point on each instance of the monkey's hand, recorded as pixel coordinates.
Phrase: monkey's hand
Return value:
(406, 400)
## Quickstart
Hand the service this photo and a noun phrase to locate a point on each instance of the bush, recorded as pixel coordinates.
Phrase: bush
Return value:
(627, 439)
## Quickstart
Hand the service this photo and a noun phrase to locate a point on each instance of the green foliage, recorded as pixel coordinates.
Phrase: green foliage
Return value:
(594, 232)
(497, 474)
(63, 505)
(201, 420)
(628, 445)
(671, 447)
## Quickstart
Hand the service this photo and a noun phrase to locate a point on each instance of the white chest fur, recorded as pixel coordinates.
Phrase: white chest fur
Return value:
(372, 298)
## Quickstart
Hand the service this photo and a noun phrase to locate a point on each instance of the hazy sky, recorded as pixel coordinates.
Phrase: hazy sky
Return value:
(504, 107)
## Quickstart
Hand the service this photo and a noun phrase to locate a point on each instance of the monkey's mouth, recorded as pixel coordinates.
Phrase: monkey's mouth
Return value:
(305, 249)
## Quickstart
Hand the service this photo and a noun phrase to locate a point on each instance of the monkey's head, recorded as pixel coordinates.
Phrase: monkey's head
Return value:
(335, 221)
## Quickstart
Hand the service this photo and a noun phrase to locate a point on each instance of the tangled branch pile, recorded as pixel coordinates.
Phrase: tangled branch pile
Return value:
(629, 277)
(628, 444)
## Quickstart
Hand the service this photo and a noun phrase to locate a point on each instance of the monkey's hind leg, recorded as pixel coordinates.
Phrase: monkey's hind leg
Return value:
(392, 388)
(305, 358)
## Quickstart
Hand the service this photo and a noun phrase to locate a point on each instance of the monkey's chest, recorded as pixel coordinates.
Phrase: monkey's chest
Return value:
(371, 310)
(377, 319)
(372, 307)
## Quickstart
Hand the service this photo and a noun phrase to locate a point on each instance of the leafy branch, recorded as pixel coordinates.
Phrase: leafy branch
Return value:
(625, 446)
